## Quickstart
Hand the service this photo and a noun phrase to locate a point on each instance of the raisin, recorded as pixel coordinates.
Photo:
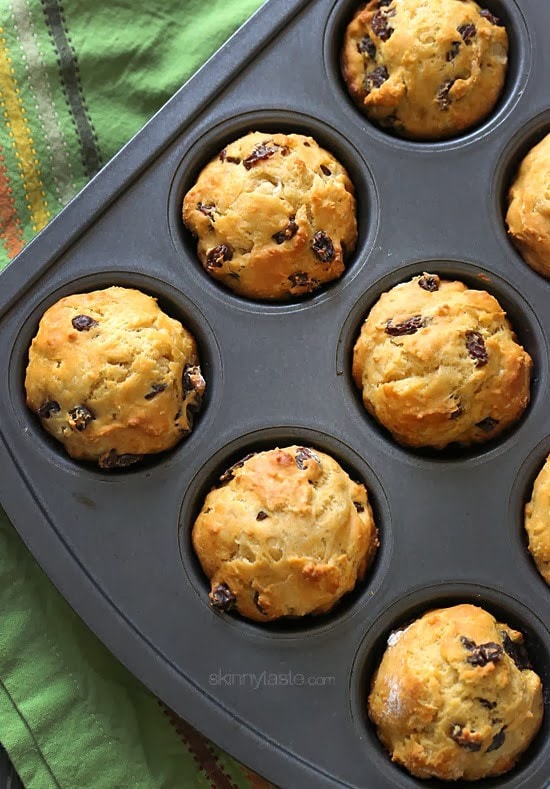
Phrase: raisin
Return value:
(486, 14)
(193, 380)
(498, 741)
(207, 209)
(367, 45)
(80, 417)
(228, 475)
(443, 94)
(256, 599)
(429, 282)
(288, 233)
(453, 51)
(476, 348)
(325, 170)
(222, 598)
(225, 158)
(155, 390)
(457, 412)
(380, 26)
(323, 247)
(516, 651)
(84, 323)
(358, 506)
(463, 738)
(260, 153)
(261, 516)
(374, 79)
(383, 3)
(48, 408)
(487, 424)
(467, 32)
(489, 705)
(114, 460)
(410, 326)
(304, 454)
(302, 280)
(307, 145)
(481, 653)
(217, 256)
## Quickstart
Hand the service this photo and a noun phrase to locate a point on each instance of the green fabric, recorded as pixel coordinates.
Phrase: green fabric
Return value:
(76, 82)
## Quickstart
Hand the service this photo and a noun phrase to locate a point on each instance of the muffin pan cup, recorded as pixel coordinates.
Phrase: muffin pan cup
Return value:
(289, 699)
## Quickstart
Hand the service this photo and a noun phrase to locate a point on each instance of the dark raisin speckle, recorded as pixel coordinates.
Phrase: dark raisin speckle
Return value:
(374, 79)
(217, 256)
(498, 741)
(323, 247)
(256, 600)
(83, 323)
(410, 326)
(261, 516)
(443, 94)
(207, 209)
(476, 348)
(114, 460)
(358, 506)
(481, 654)
(453, 51)
(48, 408)
(304, 454)
(80, 417)
(222, 598)
(193, 380)
(487, 424)
(429, 282)
(489, 705)
(301, 280)
(325, 170)
(467, 32)
(457, 412)
(225, 158)
(380, 25)
(464, 738)
(155, 390)
(260, 152)
(228, 475)
(516, 651)
(486, 14)
(286, 234)
(367, 46)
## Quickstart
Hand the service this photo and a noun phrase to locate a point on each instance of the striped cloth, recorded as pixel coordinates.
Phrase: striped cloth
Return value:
(77, 80)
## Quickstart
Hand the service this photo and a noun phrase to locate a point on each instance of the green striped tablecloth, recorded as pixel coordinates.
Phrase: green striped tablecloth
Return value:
(77, 80)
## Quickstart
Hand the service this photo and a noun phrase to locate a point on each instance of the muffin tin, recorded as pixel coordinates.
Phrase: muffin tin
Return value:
(289, 699)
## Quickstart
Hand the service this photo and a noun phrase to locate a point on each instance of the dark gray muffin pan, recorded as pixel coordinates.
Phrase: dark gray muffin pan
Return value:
(290, 699)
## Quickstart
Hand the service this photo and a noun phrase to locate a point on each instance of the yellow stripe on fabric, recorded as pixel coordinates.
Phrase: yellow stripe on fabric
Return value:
(22, 142)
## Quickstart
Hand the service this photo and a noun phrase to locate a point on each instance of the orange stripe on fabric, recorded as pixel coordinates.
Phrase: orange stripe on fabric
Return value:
(16, 121)
(11, 231)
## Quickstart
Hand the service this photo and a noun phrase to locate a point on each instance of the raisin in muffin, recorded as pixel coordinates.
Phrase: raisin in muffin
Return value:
(286, 533)
(274, 215)
(112, 377)
(455, 697)
(438, 363)
(537, 521)
(426, 69)
(528, 216)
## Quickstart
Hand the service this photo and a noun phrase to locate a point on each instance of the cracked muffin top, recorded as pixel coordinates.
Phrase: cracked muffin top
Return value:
(438, 363)
(112, 377)
(286, 533)
(426, 69)
(455, 696)
(528, 216)
(274, 216)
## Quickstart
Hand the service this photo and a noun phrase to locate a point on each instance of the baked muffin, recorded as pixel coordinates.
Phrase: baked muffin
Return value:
(438, 363)
(112, 377)
(537, 521)
(455, 697)
(274, 215)
(286, 533)
(528, 216)
(427, 69)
